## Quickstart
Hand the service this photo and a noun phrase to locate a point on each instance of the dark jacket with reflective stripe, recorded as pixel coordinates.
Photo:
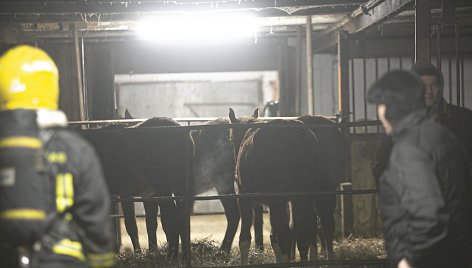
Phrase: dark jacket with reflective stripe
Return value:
(81, 195)
(424, 195)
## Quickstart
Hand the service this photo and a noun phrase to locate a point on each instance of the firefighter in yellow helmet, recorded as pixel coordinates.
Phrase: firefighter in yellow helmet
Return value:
(54, 202)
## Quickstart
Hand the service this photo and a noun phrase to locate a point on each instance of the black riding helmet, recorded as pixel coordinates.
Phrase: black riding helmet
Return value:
(402, 92)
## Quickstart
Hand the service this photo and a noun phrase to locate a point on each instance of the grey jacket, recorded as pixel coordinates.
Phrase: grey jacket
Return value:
(424, 195)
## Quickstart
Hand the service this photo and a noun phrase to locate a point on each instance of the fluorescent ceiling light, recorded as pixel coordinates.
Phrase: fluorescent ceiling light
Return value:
(197, 28)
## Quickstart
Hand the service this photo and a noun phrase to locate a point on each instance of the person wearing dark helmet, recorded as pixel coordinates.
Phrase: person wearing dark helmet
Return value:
(457, 119)
(424, 191)
(68, 223)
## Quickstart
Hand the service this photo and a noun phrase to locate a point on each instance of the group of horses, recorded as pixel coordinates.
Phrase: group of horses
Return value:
(274, 156)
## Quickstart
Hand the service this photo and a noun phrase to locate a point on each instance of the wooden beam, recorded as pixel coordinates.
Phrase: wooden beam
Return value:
(361, 20)
(343, 75)
(74, 9)
(404, 47)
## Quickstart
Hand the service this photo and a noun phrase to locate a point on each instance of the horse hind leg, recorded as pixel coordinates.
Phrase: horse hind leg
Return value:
(326, 207)
(130, 223)
(304, 218)
(258, 227)
(151, 209)
(246, 211)
(280, 236)
(170, 219)
(232, 218)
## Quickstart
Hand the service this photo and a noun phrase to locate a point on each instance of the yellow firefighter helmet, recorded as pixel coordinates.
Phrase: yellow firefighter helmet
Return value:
(29, 79)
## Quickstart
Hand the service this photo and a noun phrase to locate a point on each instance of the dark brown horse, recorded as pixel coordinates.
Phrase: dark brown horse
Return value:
(277, 157)
(147, 163)
(334, 162)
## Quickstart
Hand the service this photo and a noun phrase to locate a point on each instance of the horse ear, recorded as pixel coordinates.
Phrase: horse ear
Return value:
(255, 115)
(232, 117)
(128, 115)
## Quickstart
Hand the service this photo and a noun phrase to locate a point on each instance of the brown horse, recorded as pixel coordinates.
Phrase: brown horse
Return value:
(335, 151)
(147, 163)
(274, 158)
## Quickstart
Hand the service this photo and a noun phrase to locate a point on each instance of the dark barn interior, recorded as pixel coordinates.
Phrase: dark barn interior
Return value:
(94, 40)
(323, 55)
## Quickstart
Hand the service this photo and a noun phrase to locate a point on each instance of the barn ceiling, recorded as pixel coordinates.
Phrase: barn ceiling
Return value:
(24, 20)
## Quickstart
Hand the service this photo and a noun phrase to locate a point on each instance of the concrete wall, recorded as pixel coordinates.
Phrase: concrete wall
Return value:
(193, 94)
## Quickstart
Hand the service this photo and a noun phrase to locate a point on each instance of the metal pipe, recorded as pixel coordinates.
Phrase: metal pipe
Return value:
(187, 205)
(364, 70)
(80, 89)
(309, 66)
(377, 78)
(449, 63)
(422, 30)
(353, 94)
(462, 82)
(458, 74)
(438, 46)
(298, 71)
(84, 80)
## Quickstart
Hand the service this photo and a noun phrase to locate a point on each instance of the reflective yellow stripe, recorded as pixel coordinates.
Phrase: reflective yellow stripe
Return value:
(57, 157)
(21, 141)
(23, 214)
(70, 248)
(101, 260)
(64, 191)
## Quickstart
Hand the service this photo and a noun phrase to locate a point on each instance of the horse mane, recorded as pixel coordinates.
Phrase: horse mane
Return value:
(157, 121)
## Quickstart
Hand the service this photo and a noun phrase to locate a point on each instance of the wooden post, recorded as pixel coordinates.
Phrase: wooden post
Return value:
(343, 76)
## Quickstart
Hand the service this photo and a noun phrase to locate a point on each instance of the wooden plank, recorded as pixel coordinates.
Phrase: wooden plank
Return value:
(361, 20)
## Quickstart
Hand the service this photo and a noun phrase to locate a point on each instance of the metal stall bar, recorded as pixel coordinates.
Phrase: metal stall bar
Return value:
(447, 18)
(343, 93)
(298, 71)
(449, 63)
(458, 74)
(438, 46)
(353, 94)
(364, 77)
(187, 206)
(309, 67)
(377, 78)
(80, 88)
(462, 81)
(84, 80)
(343, 76)
(422, 30)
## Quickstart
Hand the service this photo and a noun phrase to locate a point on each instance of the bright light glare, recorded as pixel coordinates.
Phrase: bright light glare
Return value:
(202, 28)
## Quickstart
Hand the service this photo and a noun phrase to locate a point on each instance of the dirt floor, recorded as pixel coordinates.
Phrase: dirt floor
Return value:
(210, 227)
